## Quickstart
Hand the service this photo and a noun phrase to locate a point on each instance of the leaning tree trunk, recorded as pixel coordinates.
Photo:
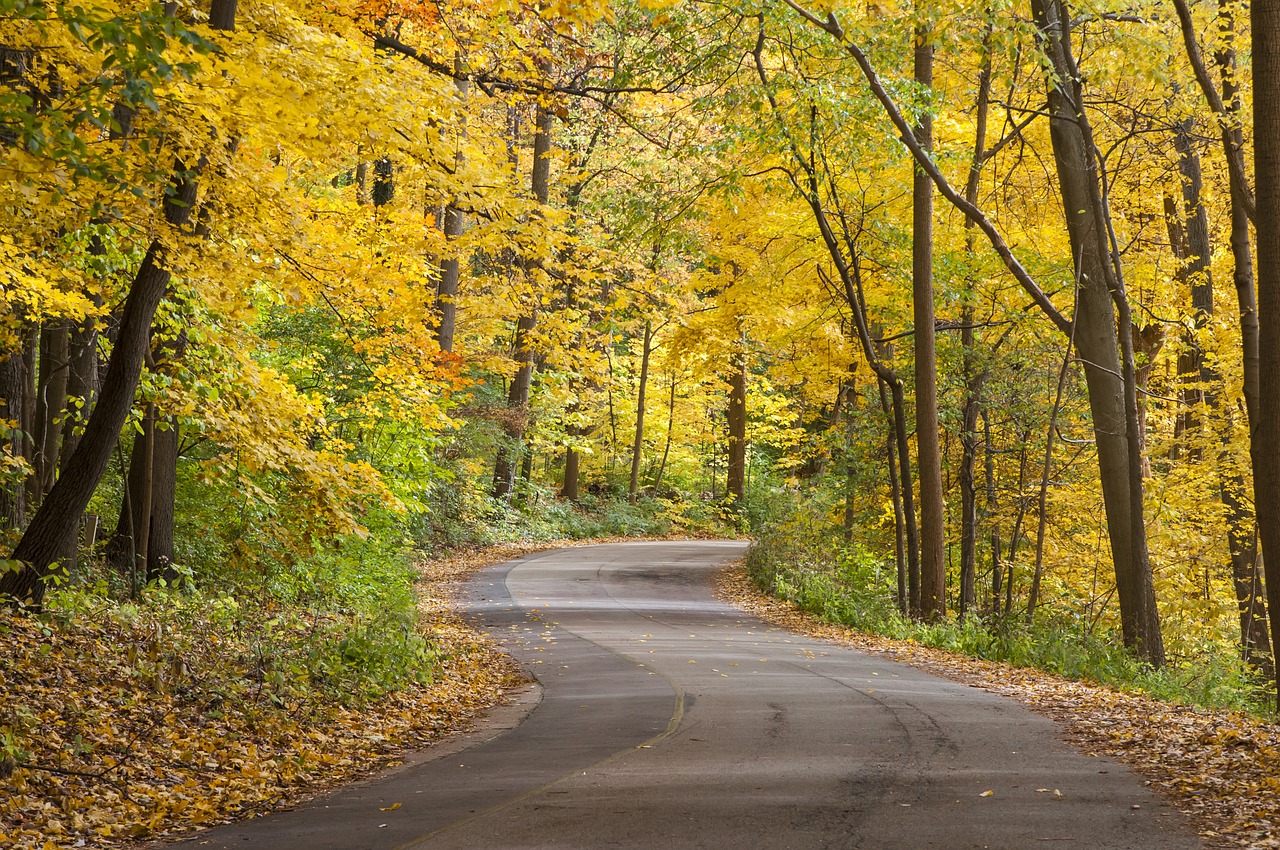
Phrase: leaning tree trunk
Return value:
(56, 520)
(46, 537)
(1108, 374)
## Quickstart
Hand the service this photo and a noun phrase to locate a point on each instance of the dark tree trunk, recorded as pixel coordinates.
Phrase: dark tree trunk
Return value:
(974, 377)
(1265, 437)
(30, 357)
(933, 564)
(13, 495)
(453, 225)
(637, 444)
(1107, 355)
(55, 522)
(82, 382)
(504, 469)
(901, 547)
(51, 402)
(518, 393)
(736, 480)
(571, 490)
(384, 182)
(993, 507)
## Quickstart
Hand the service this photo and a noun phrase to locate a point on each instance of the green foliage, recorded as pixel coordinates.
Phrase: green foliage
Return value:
(796, 559)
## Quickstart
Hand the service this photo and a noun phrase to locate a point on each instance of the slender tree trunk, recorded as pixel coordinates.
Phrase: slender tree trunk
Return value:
(454, 224)
(637, 445)
(1265, 436)
(1042, 512)
(13, 495)
(849, 401)
(901, 547)
(736, 480)
(993, 505)
(933, 564)
(974, 377)
(671, 426)
(518, 393)
(51, 402)
(30, 357)
(82, 383)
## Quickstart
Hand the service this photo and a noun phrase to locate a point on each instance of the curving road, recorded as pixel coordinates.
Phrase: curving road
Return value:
(669, 720)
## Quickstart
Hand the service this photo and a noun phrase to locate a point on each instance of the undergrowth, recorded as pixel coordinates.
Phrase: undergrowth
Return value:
(842, 583)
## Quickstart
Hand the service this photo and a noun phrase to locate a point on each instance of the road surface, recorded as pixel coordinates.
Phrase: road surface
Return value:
(668, 720)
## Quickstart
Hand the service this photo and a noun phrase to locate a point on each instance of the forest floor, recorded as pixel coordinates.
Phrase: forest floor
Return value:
(120, 740)
(1220, 768)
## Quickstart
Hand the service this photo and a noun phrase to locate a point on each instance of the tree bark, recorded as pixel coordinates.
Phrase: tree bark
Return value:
(736, 479)
(51, 402)
(1265, 436)
(45, 539)
(933, 565)
(82, 381)
(13, 495)
(1107, 355)
(521, 383)
(454, 225)
(637, 444)
(56, 519)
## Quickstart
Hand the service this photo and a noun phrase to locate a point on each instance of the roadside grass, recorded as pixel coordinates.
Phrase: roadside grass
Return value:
(847, 586)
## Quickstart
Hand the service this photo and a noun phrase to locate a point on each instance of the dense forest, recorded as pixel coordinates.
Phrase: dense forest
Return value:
(968, 312)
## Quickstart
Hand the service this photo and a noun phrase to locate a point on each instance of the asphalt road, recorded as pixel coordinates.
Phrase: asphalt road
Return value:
(668, 720)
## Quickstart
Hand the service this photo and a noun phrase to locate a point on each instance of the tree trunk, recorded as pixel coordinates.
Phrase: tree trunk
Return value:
(13, 495)
(57, 517)
(637, 445)
(571, 490)
(1108, 356)
(974, 378)
(736, 480)
(671, 426)
(51, 402)
(82, 381)
(518, 393)
(454, 225)
(993, 506)
(933, 565)
(1265, 436)
(30, 358)
(46, 537)
(900, 538)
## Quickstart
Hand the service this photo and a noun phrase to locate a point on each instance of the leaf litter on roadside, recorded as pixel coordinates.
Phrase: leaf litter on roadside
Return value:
(107, 738)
